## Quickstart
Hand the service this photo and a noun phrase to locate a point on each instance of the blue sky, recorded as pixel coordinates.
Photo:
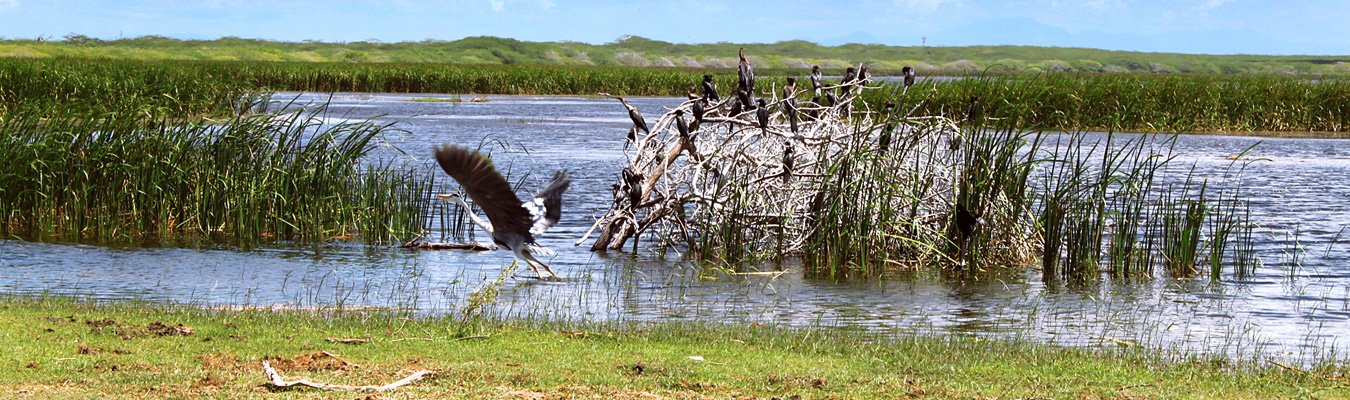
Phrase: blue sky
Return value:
(1316, 27)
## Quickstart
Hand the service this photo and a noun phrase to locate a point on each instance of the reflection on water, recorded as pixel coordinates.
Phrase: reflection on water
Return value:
(1292, 311)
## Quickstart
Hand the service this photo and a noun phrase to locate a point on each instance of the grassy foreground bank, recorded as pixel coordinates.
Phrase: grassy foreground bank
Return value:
(59, 348)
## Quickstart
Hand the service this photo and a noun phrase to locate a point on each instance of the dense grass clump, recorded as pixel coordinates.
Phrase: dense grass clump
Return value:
(1155, 103)
(125, 177)
(154, 89)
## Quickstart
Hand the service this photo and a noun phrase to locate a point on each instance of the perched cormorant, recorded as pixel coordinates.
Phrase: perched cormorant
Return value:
(909, 76)
(966, 222)
(710, 89)
(681, 126)
(693, 93)
(973, 109)
(762, 114)
(788, 160)
(745, 97)
(736, 110)
(816, 79)
(636, 116)
(632, 182)
(863, 75)
(887, 113)
(849, 75)
(698, 110)
(746, 74)
(790, 102)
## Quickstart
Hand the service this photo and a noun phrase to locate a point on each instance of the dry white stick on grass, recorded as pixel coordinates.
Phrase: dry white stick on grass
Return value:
(277, 381)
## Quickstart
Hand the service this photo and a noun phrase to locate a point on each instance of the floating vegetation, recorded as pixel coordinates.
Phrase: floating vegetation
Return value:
(128, 178)
(858, 191)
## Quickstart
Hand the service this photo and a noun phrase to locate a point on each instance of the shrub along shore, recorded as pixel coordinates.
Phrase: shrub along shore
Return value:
(63, 348)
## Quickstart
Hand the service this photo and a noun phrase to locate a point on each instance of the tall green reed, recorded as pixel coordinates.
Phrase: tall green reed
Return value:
(126, 177)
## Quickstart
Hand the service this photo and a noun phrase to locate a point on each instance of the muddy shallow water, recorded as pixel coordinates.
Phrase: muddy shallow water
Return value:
(1297, 311)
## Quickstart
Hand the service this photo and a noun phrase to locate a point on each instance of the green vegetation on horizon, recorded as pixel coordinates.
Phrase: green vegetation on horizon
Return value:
(1122, 102)
(638, 51)
(60, 348)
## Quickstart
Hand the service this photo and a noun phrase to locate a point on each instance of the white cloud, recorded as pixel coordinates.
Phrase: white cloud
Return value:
(497, 5)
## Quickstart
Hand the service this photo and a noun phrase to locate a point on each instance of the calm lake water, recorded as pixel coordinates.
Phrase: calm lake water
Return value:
(1291, 311)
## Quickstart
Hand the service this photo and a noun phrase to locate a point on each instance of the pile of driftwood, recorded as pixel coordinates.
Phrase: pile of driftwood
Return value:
(761, 161)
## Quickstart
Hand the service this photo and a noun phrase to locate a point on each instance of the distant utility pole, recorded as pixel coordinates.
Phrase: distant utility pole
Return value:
(924, 41)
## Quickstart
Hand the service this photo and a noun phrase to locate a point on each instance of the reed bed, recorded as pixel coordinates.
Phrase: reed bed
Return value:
(1061, 101)
(1155, 103)
(154, 89)
(128, 178)
(860, 191)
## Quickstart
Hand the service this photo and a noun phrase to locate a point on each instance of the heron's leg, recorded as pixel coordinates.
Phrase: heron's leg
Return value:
(531, 264)
(532, 261)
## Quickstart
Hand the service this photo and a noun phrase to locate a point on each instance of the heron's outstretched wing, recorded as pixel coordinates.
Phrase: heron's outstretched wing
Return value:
(487, 188)
(547, 205)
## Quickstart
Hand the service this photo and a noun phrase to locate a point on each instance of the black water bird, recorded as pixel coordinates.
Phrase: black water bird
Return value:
(746, 74)
(829, 97)
(788, 161)
(863, 75)
(973, 110)
(693, 93)
(710, 89)
(790, 102)
(636, 116)
(816, 81)
(746, 98)
(698, 111)
(887, 113)
(632, 185)
(511, 222)
(909, 76)
(966, 221)
(681, 126)
(762, 114)
(849, 75)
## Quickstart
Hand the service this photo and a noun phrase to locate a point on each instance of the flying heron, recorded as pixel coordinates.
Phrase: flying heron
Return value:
(710, 89)
(513, 223)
